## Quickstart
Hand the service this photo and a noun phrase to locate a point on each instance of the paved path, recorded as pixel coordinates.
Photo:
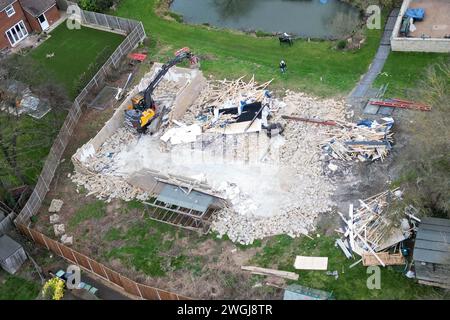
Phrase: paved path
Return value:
(360, 91)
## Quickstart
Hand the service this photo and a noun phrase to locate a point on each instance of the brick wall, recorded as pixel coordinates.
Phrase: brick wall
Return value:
(52, 16)
(6, 23)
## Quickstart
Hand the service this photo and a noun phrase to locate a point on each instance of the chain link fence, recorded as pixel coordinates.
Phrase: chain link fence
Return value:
(135, 34)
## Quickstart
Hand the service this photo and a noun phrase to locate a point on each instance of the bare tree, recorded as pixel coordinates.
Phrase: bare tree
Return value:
(427, 155)
(24, 141)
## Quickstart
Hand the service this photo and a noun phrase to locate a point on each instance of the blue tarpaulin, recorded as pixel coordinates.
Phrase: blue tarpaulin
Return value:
(416, 13)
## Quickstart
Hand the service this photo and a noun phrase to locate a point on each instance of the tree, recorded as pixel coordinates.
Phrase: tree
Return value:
(53, 289)
(96, 5)
(24, 141)
(427, 155)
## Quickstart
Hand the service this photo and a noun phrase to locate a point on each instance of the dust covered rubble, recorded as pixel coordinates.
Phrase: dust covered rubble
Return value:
(102, 181)
(300, 151)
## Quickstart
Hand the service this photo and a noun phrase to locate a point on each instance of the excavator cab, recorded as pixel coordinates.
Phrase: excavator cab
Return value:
(142, 110)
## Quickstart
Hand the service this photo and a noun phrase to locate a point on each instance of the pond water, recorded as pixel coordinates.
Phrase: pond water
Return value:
(304, 18)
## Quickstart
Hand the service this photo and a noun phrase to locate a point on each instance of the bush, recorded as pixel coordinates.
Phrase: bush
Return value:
(95, 5)
(426, 173)
(53, 289)
(261, 34)
(177, 17)
(341, 45)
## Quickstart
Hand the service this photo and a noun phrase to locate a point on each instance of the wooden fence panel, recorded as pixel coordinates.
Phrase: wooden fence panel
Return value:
(67, 253)
(38, 238)
(113, 276)
(82, 260)
(98, 269)
(53, 245)
(164, 295)
(148, 293)
(130, 286)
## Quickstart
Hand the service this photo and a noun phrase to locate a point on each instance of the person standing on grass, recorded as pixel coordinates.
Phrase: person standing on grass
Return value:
(283, 66)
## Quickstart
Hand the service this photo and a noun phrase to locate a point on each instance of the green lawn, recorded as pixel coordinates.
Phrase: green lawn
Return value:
(314, 67)
(280, 251)
(145, 245)
(403, 69)
(15, 288)
(76, 52)
(92, 210)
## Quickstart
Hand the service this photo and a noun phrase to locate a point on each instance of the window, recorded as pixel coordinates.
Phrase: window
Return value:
(17, 33)
(10, 10)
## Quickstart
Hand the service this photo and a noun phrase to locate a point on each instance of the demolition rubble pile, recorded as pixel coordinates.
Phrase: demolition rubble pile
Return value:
(224, 94)
(102, 180)
(302, 138)
(283, 192)
(371, 228)
(364, 141)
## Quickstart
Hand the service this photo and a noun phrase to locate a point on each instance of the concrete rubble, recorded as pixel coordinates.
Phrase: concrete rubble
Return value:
(66, 240)
(59, 229)
(273, 185)
(54, 218)
(55, 206)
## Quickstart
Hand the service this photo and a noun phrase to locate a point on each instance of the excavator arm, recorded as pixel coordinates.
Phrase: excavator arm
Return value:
(143, 110)
(184, 54)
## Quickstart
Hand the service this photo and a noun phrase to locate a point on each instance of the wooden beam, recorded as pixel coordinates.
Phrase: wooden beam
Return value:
(271, 272)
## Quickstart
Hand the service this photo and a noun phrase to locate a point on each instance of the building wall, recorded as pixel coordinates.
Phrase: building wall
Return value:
(415, 44)
(421, 45)
(52, 16)
(6, 23)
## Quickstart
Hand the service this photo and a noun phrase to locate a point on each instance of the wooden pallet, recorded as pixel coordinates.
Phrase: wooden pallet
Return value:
(388, 259)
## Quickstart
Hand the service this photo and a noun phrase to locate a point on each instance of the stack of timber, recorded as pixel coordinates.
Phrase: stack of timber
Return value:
(364, 141)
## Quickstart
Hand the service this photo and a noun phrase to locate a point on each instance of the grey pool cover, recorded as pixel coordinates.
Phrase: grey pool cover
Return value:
(194, 200)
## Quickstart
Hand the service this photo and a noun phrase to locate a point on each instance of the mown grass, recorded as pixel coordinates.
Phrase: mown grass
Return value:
(403, 70)
(91, 210)
(145, 246)
(280, 252)
(315, 66)
(76, 52)
(16, 288)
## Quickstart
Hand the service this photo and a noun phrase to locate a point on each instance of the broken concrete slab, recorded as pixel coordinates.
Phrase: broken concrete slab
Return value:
(54, 218)
(59, 229)
(55, 206)
(66, 240)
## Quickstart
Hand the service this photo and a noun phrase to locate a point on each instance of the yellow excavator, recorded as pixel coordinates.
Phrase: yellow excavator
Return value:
(143, 110)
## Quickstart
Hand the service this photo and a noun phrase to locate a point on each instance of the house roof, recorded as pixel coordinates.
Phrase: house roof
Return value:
(8, 247)
(36, 8)
(433, 241)
(5, 3)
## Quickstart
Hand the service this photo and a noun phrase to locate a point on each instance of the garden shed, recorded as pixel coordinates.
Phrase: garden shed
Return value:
(432, 252)
(12, 254)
